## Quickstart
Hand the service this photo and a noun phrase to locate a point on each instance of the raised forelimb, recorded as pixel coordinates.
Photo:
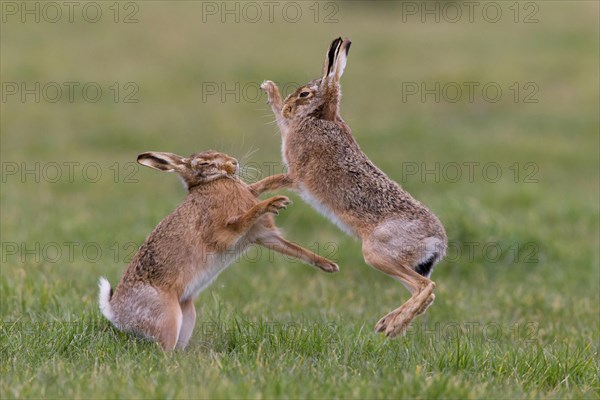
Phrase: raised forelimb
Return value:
(244, 222)
(275, 101)
(272, 183)
(280, 245)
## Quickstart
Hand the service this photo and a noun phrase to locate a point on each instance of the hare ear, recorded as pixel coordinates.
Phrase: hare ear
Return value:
(332, 52)
(162, 161)
(335, 62)
(340, 60)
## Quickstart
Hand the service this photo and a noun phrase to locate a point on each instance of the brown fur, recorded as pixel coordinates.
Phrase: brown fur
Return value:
(327, 167)
(218, 219)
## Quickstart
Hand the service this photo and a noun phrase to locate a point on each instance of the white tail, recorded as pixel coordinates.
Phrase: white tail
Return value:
(104, 299)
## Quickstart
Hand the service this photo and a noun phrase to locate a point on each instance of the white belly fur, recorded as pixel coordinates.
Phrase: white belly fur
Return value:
(324, 210)
(215, 264)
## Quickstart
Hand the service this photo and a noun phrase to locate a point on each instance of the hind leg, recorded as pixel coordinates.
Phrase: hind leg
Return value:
(166, 324)
(427, 303)
(154, 315)
(188, 311)
(397, 321)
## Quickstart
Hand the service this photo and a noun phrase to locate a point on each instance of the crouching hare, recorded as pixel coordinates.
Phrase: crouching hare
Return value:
(220, 217)
(400, 236)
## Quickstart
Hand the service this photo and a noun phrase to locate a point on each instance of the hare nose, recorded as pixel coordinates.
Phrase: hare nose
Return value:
(231, 166)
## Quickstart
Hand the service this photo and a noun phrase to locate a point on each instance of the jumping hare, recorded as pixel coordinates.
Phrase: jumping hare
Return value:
(217, 221)
(400, 236)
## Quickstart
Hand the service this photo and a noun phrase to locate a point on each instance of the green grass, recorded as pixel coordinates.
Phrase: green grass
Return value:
(520, 324)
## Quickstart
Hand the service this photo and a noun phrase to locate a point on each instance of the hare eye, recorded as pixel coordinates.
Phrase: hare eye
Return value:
(304, 94)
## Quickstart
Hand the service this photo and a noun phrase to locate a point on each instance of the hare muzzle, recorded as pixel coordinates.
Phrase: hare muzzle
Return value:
(230, 167)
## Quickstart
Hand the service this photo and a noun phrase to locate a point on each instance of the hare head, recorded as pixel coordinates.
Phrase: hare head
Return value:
(197, 169)
(320, 98)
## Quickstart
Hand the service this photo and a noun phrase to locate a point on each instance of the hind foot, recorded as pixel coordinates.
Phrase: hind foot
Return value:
(397, 322)
(427, 304)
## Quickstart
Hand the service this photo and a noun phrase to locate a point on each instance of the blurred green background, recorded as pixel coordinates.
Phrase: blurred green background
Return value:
(183, 76)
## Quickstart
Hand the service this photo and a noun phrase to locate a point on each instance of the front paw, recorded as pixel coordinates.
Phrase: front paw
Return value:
(270, 88)
(328, 266)
(278, 203)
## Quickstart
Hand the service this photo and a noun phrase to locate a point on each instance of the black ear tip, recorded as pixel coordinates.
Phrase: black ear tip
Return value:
(155, 158)
(348, 47)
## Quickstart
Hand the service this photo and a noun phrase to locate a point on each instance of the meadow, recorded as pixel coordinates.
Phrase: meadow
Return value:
(489, 119)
